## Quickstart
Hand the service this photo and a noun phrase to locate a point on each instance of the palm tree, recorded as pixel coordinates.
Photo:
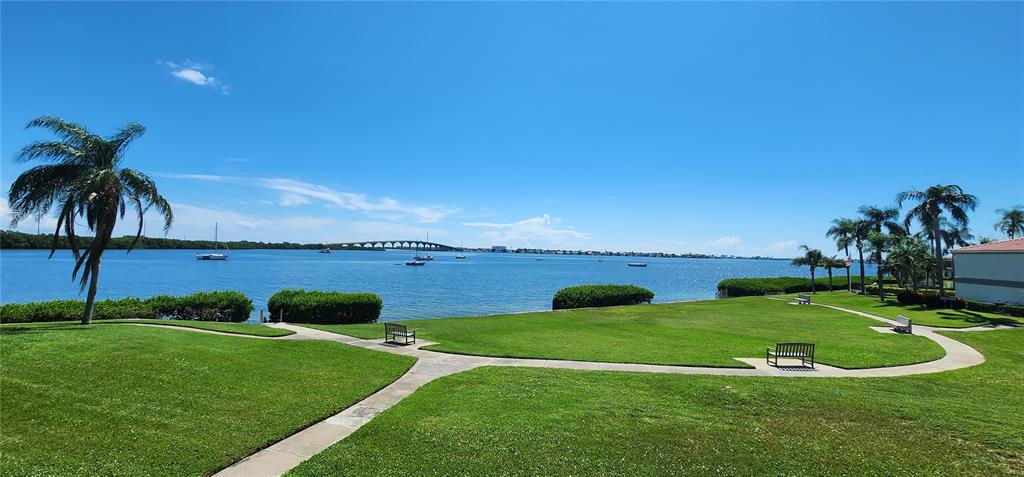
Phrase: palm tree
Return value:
(931, 203)
(812, 259)
(875, 219)
(1012, 221)
(83, 179)
(830, 263)
(954, 236)
(879, 243)
(843, 231)
(861, 229)
(909, 256)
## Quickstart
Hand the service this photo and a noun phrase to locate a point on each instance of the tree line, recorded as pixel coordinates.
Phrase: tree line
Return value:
(10, 239)
(940, 212)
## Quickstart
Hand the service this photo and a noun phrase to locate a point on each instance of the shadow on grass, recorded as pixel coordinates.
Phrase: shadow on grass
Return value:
(39, 328)
(973, 317)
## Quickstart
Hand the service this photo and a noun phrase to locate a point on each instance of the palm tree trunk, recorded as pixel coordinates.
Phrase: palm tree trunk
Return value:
(830, 290)
(860, 259)
(881, 289)
(849, 280)
(938, 259)
(814, 287)
(90, 301)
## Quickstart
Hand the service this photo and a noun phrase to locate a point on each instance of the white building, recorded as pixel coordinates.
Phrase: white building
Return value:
(991, 272)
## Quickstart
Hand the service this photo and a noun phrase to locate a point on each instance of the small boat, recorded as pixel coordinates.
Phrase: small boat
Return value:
(539, 259)
(460, 257)
(423, 258)
(325, 250)
(636, 264)
(415, 263)
(213, 256)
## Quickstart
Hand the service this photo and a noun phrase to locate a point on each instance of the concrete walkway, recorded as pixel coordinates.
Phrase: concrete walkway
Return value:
(284, 455)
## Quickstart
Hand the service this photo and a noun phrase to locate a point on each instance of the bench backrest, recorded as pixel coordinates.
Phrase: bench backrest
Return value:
(394, 327)
(902, 320)
(794, 349)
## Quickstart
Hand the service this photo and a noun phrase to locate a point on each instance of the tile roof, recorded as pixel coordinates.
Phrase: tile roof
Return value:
(1015, 245)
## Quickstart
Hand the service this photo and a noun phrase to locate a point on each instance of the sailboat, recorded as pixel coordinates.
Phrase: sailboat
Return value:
(416, 262)
(425, 257)
(213, 256)
(460, 256)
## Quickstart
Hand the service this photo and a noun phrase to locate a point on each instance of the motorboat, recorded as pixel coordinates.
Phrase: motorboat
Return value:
(415, 263)
(636, 264)
(325, 250)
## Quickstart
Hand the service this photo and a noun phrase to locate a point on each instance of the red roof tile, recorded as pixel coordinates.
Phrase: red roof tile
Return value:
(1015, 245)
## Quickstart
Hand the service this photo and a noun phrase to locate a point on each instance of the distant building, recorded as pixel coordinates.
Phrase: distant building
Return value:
(992, 272)
(499, 248)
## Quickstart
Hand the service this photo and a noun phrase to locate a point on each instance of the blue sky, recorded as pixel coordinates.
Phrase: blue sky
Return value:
(738, 128)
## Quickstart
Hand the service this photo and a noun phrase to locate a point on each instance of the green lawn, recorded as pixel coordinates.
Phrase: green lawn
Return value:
(705, 333)
(236, 328)
(920, 315)
(518, 421)
(130, 400)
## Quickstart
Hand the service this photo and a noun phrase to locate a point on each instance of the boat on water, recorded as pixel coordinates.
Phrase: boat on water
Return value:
(460, 257)
(325, 250)
(636, 264)
(216, 245)
(425, 257)
(415, 263)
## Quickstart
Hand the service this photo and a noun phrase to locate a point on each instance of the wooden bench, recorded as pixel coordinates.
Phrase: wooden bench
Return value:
(803, 299)
(803, 351)
(394, 331)
(903, 325)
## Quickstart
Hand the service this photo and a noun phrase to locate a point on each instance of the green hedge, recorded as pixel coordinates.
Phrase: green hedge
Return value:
(324, 307)
(1002, 309)
(734, 287)
(586, 296)
(204, 306)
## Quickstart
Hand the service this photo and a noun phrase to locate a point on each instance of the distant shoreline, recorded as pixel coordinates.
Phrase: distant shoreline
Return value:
(13, 240)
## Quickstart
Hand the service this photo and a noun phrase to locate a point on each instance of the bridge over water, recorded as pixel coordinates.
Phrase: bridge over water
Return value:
(401, 245)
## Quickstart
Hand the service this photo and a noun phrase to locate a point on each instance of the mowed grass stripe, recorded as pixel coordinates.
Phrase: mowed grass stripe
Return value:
(527, 421)
(701, 333)
(131, 400)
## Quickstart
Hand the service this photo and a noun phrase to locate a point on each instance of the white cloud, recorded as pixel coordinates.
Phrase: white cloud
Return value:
(727, 242)
(5, 212)
(783, 247)
(542, 228)
(294, 193)
(246, 224)
(292, 200)
(193, 73)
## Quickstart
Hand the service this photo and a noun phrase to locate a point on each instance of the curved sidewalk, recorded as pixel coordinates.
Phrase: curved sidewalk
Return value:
(284, 455)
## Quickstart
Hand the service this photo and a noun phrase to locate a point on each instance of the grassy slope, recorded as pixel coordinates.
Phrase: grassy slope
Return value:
(132, 400)
(517, 421)
(709, 333)
(920, 315)
(236, 328)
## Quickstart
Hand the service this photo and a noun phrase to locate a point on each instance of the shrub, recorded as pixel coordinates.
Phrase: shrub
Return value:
(203, 306)
(585, 296)
(734, 287)
(206, 306)
(1000, 308)
(325, 307)
(928, 299)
